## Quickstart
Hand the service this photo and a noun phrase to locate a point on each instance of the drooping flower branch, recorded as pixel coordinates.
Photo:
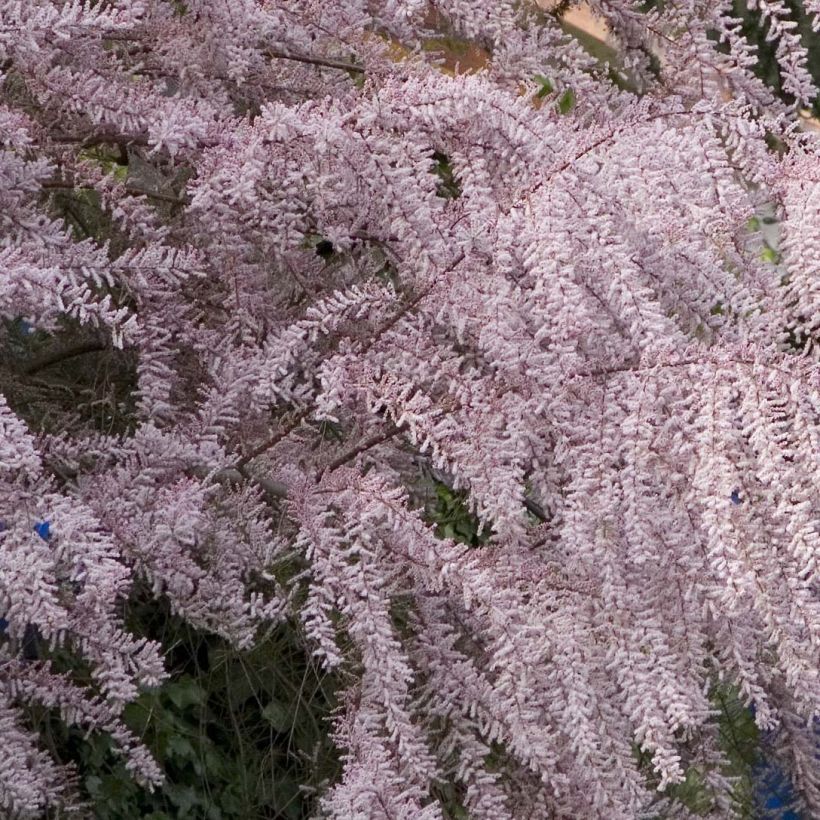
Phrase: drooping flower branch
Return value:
(323, 267)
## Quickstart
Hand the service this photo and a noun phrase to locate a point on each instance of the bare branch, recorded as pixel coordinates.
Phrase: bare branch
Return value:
(318, 61)
(61, 354)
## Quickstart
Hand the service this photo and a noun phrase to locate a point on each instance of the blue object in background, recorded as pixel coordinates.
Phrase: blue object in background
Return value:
(4, 624)
(774, 791)
(31, 643)
(43, 529)
(735, 497)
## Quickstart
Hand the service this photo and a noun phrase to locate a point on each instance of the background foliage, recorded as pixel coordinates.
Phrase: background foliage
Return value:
(239, 734)
(244, 734)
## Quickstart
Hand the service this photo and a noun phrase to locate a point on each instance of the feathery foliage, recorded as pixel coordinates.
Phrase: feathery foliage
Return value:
(272, 270)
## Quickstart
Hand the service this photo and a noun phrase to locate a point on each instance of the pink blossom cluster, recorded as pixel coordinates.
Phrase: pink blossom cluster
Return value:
(582, 330)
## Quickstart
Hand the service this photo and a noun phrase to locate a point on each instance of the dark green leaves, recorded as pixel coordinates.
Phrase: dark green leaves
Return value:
(448, 188)
(546, 87)
(453, 518)
(566, 101)
(236, 733)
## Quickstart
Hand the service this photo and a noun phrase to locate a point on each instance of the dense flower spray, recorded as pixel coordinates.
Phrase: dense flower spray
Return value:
(331, 265)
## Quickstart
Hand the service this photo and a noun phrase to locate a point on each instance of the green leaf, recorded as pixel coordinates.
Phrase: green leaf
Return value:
(449, 187)
(566, 101)
(278, 715)
(231, 802)
(770, 255)
(185, 693)
(93, 784)
(183, 797)
(180, 747)
(214, 813)
(546, 86)
(693, 792)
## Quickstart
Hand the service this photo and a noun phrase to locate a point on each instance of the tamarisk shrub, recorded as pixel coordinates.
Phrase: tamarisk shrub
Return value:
(290, 266)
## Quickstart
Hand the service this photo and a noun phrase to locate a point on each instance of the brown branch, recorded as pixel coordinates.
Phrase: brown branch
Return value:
(535, 509)
(52, 357)
(367, 444)
(90, 141)
(174, 200)
(65, 185)
(318, 61)
(230, 475)
(368, 344)
(689, 362)
(279, 55)
(272, 441)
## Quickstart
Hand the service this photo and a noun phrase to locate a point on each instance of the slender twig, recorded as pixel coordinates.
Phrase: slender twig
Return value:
(319, 61)
(272, 441)
(174, 200)
(231, 475)
(363, 446)
(279, 55)
(66, 185)
(51, 357)
(364, 236)
(649, 368)
(367, 345)
(91, 141)
(535, 509)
